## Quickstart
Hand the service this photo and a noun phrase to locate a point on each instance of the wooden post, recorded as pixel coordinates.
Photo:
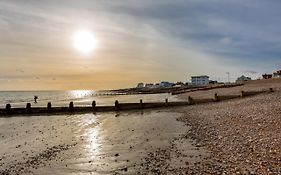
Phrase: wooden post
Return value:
(141, 104)
(190, 100)
(8, 109)
(117, 107)
(242, 94)
(216, 97)
(71, 106)
(94, 105)
(28, 108)
(271, 90)
(166, 102)
(49, 106)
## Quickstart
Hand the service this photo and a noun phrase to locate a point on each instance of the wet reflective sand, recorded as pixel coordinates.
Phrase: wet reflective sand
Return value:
(84, 144)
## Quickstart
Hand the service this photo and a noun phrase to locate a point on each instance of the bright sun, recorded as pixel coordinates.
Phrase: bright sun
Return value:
(84, 41)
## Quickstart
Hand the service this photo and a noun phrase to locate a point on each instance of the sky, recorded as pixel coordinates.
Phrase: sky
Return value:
(137, 41)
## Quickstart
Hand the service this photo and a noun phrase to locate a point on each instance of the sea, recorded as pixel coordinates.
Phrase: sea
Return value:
(90, 143)
(78, 97)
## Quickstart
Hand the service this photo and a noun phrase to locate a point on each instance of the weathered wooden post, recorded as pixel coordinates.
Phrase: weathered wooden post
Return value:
(242, 94)
(190, 100)
(71, 106)
(28, 108)
(141, 104)
(166, 102)
(94, 105)
(271, 90)
(8, 109)
(117, 107)
(216, 97)
(49, 107)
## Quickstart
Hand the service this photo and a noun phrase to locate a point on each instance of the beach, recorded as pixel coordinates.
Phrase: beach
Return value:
(146, 87)
(108, 143)
(242, 135)
(238, 136)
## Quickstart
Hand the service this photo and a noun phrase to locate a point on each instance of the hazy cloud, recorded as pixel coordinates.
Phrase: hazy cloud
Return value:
(147, 39)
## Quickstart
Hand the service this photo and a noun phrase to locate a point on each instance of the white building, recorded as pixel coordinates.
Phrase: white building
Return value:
(200, 80)
(277, 74)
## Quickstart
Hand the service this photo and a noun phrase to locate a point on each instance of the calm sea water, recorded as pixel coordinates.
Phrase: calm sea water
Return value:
(79, 97)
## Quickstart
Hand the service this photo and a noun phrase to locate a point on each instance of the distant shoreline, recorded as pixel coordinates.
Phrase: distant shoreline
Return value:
(173, 90)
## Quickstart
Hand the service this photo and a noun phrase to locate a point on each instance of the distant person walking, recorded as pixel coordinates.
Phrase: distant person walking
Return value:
(35, 98)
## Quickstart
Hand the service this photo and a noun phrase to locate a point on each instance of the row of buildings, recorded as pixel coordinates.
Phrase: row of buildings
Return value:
(163, 84)
(195, 80)
(202, 80)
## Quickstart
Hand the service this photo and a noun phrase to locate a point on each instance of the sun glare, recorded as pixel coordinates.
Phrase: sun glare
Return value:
(84, 41)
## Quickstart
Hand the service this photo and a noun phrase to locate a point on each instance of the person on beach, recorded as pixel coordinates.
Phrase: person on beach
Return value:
(35, 99)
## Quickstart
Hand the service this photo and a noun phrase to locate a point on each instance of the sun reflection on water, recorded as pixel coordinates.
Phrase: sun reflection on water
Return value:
(93, 142)
(92, 136)
(80, 93)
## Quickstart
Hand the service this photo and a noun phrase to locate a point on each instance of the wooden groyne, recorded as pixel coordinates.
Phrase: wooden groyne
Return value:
(205, 88)
(72, 109)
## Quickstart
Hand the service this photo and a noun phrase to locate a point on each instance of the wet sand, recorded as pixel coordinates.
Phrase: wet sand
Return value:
(109, 143)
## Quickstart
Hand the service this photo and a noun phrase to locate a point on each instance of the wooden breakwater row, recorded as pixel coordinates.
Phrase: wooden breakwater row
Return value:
(205, 88)
(50, 110)
(28, 110)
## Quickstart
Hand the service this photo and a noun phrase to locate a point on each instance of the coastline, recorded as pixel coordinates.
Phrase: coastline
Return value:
(237, 136)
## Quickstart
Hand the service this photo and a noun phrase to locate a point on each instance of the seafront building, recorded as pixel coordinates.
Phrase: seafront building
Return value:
(202, 80)
(149, 85)
(267, 76)
(213, 82)
(242, 79)
(140, 85)
(276, 74)
(166, 84)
